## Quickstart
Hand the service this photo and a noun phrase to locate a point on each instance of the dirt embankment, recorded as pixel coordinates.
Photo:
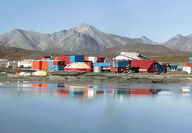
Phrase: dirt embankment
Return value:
(165, 78)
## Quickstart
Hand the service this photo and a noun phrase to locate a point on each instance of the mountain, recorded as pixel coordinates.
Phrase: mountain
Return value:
(180, 42)
(145, 49)
(81, 39)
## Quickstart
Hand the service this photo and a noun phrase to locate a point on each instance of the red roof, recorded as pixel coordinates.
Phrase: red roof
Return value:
(142, 64)
(145, 66)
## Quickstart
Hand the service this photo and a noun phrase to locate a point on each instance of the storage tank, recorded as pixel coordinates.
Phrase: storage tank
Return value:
(78, 66)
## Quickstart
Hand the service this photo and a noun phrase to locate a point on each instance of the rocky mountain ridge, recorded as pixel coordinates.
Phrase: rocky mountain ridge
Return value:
(82, 39)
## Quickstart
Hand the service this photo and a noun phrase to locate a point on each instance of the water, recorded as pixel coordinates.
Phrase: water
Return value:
(35, 107)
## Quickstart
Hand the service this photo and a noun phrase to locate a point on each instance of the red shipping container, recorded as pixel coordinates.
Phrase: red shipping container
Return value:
(41, 57)
(44, 57)
(45, 65)
(86, 58)
(55, 58)
(145, 66)
(65, 58)
(90, 63)
(58, 63)
(100, 59)
(189, 64)
(37, 65)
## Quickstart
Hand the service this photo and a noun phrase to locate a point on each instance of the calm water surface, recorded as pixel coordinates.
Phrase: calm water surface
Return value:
(36, 107)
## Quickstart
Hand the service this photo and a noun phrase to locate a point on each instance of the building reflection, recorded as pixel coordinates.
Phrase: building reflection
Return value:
(88, 91)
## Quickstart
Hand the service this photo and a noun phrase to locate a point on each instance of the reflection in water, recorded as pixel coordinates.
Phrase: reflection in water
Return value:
(89, 91)
(85, 91)
(34, 107)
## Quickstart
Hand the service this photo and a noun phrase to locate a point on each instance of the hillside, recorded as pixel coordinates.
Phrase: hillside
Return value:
(145, 49)
(82, 39)
(12, 53)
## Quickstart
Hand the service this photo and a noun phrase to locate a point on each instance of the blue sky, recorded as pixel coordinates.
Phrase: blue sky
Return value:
(159, 20)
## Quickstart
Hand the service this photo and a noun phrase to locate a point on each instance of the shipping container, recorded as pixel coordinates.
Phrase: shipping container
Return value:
(45, 65)
(44, 57)
(37, 65)
(65, 58)
(100, 59)
(86, 58)
(108, 60)
(67, 61)
(56, 58)
(51, 65)
(58, 62)
(57, 68)
(104, 64)
(93, 59)
(90, 63)
(77, 58)
(40, 58)
(120, 63)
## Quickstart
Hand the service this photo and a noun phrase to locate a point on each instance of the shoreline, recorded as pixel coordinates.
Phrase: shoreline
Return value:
(133, 78)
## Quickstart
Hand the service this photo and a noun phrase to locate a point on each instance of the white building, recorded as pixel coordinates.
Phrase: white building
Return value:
(25, 63)
(12, 64)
